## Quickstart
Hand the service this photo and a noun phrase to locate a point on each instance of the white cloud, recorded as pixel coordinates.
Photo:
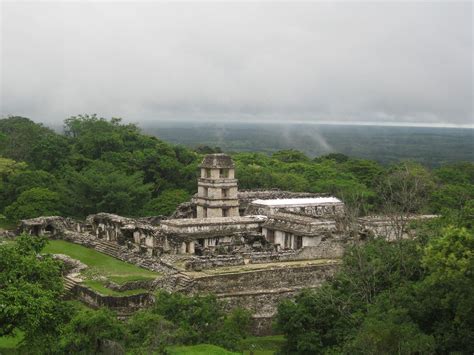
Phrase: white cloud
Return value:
(397, 62)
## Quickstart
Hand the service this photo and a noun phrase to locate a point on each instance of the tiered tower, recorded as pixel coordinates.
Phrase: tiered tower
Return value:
(217, 188)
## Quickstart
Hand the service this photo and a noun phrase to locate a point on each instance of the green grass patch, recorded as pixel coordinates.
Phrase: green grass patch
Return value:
(121, 279)
(100, 287)
(262, 345)
(9, 343)
(201, 349)
(99, 263)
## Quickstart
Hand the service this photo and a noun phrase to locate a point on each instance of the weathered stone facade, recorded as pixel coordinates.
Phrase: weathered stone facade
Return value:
(217, 188)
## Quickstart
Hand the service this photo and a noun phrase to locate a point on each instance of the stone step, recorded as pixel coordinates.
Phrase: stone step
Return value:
(69, 284)
(109, 249)
(183, 281)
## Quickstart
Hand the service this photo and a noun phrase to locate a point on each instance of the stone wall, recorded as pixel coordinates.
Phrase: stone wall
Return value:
(119, 304)
(209, 262)
(130, 285)
(326, 249)
(262, 305)
(261, 291)
(282, 276)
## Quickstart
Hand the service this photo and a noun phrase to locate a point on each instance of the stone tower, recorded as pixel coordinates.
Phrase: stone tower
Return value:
(217, 188)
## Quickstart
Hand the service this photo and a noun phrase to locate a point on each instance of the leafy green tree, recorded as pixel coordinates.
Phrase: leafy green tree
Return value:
(390, 332)
(337, 157)
(453, 197)
(92, 332)
(50, 152)
(290, 156)
(236, 327)
(447, 293)
(30, 288)
(198, 317)
(102, 188)
(19, 135)
(324, 315)
(205, 149)
(148, 333)
(32, 203)
(456, 174)
(24, 180)
(366, 171)
(166, 203)
(332, 314)
(8, 168)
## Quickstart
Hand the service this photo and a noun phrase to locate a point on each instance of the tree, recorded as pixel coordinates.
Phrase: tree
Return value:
(290, 156)
(447, 293)
(102, 188)
(8, 168)
(32, 203)
(166, 203)
(332, 315)
(403, 191)
(24, 180)
(337, 157)
(390, 332)
(148, 332)
(92, 332)
(30, 290)
(19, 135)
(50, 152)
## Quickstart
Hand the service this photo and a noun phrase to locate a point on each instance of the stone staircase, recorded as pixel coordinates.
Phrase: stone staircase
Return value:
(147, 264)
(120, 252)
(183, 282)
(109, 248)
(69, 284)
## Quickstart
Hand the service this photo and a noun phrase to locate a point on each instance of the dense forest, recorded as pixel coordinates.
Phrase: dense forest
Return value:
(104, 165)
(430, 146)
(403, 297)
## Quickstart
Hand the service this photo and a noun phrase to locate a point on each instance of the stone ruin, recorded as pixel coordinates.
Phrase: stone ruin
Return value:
(272, 242)
(224, 223)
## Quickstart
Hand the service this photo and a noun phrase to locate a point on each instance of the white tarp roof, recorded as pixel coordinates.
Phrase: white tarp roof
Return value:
(297, 201)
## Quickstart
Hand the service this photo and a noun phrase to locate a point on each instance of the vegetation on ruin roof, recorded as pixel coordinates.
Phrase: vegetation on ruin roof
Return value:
(99, 287)
(99, 263)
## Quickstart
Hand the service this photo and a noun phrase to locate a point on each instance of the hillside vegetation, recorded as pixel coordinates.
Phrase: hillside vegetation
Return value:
(104, 165)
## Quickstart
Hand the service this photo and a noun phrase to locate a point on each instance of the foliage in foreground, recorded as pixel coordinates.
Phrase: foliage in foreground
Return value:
(404, 297)
(30, 303)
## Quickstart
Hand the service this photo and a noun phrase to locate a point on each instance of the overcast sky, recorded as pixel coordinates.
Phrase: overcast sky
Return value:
(402, 62)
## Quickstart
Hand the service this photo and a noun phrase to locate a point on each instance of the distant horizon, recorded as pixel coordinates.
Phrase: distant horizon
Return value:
(267, 122)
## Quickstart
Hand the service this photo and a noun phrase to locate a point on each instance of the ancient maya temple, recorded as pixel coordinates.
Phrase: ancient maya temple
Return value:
(250, 248)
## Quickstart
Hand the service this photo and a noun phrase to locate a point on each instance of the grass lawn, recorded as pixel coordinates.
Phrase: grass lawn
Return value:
(262, 345)
(9, 344)
(99, 263)
(201, 349)
(99, 287)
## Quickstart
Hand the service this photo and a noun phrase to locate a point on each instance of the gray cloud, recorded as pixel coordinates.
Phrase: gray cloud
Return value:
(311, 61)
